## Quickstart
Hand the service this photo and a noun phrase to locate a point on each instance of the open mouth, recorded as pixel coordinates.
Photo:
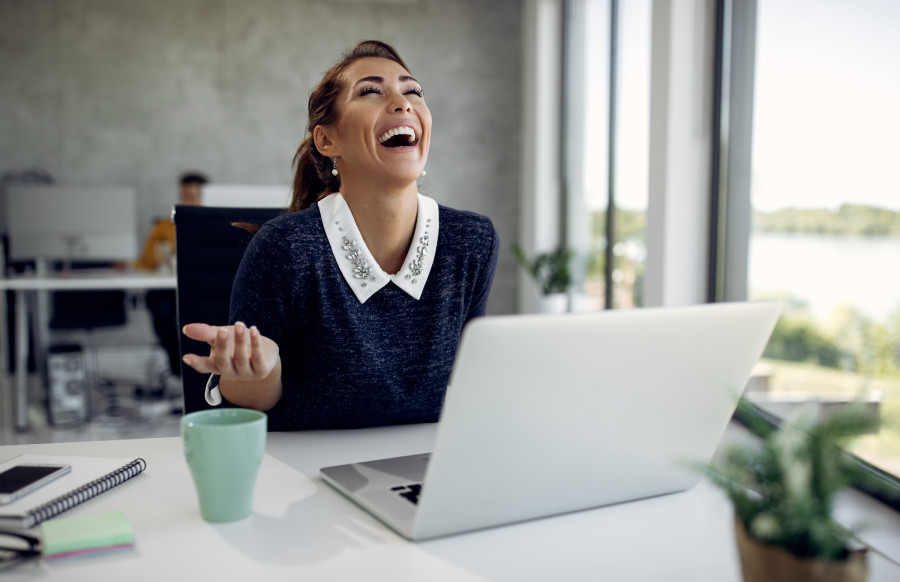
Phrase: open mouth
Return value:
(398, 137)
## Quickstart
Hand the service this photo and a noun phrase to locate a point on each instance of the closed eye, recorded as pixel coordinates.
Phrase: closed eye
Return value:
(415, 90)
(369, 89)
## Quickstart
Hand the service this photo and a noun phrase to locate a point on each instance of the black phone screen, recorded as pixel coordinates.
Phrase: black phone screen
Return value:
(20, 476)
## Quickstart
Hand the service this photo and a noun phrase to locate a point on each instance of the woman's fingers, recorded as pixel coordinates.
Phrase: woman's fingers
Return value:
(222, 350)
(203, 333)
(200, 332)
(258, 360)
(235, 351)
(241, 356)
(202, 364)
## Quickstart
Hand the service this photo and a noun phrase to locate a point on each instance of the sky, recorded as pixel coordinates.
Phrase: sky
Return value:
(827, 107)
(826, 112)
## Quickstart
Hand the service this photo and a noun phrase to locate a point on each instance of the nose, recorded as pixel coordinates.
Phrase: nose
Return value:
(401, 104)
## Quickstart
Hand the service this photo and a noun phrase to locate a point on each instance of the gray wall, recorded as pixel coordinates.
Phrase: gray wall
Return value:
(134, 92)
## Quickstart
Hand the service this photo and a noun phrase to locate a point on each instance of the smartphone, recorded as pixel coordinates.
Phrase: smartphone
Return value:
(21, 480)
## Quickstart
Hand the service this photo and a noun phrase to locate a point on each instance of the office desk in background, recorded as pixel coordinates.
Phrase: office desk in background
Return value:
(27, 288)
(301, 529)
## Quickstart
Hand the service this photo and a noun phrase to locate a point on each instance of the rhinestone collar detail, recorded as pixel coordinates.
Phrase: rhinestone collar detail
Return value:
(357, 265)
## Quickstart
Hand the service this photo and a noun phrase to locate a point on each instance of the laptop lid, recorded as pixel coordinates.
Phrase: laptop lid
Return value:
(551, 414)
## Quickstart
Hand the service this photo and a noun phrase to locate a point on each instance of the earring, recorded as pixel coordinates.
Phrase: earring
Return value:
(423, 172)
(334, 170)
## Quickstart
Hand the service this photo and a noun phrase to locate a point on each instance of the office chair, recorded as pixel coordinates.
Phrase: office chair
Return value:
(87, 309)
(208, 251)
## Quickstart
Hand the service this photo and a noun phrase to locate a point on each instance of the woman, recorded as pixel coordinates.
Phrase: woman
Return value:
(356, 299)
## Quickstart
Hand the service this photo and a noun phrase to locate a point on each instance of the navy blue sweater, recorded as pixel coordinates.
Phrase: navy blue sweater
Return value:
(347, 364)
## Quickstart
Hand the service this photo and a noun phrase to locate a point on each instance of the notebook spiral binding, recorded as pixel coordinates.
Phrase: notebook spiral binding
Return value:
(78, 496)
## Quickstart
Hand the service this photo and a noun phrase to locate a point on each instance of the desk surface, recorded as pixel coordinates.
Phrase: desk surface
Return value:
(303, 530)
(90, 280)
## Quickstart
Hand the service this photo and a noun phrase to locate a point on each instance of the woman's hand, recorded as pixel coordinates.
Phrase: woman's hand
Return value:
(236, 352)
(247, 362)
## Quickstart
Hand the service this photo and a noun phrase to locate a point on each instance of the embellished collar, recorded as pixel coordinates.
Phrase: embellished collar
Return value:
(356, 262)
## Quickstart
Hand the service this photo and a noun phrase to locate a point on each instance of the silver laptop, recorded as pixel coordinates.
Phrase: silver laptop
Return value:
(551, 414)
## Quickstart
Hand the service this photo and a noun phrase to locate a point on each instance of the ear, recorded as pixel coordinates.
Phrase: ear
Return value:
(322, 137)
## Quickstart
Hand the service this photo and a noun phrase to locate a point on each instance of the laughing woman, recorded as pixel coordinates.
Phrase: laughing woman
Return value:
(347, 311)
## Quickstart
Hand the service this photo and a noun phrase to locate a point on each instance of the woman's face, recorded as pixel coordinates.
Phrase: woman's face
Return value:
(383, 126)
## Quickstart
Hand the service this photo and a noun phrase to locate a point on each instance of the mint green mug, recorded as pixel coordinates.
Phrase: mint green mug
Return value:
(224, 448)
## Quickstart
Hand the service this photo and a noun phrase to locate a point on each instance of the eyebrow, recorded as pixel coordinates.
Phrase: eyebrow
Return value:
(376, 79)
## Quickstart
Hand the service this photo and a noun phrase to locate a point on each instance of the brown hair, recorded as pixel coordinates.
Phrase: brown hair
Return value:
(312, 171)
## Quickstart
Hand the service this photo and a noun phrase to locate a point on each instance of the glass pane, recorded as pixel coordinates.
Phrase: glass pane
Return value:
(587, 145)
(632, 153)
(588, 139)
(826, 197)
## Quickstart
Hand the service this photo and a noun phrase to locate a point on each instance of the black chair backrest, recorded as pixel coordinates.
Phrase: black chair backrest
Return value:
(209, 249)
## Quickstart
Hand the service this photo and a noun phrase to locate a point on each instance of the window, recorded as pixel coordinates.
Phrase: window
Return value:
(606, 148)
(825, 191)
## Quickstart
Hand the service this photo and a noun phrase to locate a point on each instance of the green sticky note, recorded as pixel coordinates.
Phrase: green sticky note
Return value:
(66, 536)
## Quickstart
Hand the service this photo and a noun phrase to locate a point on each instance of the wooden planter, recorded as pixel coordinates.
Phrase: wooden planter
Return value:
(765, 563)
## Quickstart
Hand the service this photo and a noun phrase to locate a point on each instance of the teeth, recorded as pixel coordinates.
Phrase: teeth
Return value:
(398, 131)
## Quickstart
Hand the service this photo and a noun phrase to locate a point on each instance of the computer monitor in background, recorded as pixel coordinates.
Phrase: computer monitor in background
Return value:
(246, 196)
(71, 223)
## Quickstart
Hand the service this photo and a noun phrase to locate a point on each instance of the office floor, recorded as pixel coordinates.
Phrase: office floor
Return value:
(128, 354)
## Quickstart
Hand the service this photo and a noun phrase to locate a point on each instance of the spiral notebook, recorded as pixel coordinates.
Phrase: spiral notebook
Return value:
(89, 477)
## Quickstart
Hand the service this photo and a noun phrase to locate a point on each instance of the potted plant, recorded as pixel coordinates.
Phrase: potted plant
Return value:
(551, 272)
(783, 495)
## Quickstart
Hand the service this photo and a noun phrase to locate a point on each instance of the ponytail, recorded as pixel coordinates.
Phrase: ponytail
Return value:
(312, 177)
(312, 181)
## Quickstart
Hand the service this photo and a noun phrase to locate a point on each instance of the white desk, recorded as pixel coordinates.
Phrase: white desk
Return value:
(301, 529)
(27, 288)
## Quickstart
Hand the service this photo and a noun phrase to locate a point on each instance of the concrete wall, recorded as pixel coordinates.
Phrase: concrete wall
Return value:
(122, 92)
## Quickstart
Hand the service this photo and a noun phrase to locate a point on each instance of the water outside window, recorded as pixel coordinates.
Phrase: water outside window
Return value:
(826, 198)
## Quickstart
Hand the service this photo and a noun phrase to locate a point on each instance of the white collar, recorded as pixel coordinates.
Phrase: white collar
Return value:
(357, 264)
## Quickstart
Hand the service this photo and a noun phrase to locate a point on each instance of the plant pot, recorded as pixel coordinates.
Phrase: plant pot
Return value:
(765, 563)
(554, 303)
